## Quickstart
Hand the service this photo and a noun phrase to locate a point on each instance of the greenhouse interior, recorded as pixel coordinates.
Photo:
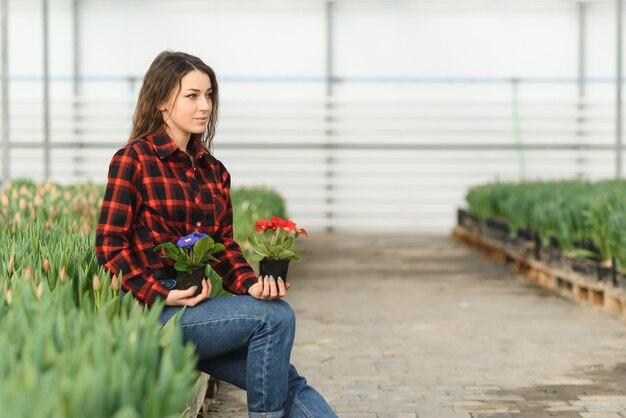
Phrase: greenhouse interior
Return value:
(443, 179)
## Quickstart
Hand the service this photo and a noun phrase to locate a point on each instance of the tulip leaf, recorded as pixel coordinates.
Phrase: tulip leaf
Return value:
(168, 330)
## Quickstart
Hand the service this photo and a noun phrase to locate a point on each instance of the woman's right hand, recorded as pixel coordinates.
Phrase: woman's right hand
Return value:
(186, 297)
(266, 288)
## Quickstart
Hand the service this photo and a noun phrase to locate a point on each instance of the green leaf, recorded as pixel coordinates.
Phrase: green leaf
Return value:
(201, 249)
(288, 243)
(259, 247)
(286, 255)
(256, 257)
(168, 331)
(166, 246)
(581, 252)
(127, 412)
(217, 289)
(182, 267)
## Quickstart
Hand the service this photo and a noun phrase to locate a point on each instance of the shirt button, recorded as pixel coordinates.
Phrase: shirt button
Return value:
(198, 223)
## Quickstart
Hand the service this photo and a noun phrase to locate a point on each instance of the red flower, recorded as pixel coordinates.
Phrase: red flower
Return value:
(262, 225)
(276, 222)
(280, 223)
(288, 225)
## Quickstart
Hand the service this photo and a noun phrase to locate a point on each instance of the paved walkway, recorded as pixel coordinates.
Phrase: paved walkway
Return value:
(419, 326)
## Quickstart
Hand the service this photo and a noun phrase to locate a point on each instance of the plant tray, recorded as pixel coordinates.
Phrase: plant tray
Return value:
(553, 256)
(584, 266)
(522, 247)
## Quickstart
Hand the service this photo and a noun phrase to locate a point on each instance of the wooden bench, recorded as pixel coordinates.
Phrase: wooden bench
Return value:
(201, 400)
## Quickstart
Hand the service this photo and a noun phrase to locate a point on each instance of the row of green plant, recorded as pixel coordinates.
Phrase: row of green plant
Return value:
(70, 345)
(573, 212)
(24, 201)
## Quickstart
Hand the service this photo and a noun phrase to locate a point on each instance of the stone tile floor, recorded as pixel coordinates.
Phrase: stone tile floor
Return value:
(419, 326)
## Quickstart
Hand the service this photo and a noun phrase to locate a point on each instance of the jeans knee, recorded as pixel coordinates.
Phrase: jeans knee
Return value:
(282, 319)
(283, 315)
(275, 314)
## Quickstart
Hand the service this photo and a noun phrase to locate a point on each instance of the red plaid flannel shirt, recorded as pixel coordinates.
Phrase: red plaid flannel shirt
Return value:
(154, 195)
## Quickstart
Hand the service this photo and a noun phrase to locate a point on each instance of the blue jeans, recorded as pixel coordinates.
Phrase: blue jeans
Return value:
(247, 342)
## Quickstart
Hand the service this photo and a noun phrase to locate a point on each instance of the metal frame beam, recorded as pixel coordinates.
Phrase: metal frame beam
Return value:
(78, 159)
(618, 101)
(46, 92)
(76, 87)
(329, 80)
(431, 146)
(6, 148)
(582, 49)
(582, 87)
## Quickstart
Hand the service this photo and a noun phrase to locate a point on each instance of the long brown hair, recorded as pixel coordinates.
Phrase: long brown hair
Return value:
(163, 77)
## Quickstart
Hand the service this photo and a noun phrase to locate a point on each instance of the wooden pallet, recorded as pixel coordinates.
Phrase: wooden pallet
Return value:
(570, 285)
(198, 404)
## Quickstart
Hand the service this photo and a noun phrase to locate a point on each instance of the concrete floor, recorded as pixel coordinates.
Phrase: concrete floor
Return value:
(419, 326)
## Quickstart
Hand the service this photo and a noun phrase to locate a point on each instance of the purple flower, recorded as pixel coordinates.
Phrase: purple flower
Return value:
(189, 240)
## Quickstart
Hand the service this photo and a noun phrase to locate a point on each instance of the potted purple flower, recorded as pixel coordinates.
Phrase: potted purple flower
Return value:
(191, 254)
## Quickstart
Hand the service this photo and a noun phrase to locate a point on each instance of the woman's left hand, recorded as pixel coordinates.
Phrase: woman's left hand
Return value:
(268, 289)
(186, 298)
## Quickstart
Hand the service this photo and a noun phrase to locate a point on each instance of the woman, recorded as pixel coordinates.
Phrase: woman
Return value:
(165, 184)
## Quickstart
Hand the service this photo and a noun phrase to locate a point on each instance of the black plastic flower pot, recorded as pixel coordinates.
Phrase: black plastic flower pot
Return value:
(620, 279)
(461, 214)
(537, 249)
(525, 234)
(555, 252)
(466, 219)
(545, 254)
(275, 268)
(607, 275)
(186, 280)
(497, 229)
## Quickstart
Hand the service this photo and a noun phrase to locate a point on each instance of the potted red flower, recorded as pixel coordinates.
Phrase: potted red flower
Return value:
(273, 246)
(191, 254)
